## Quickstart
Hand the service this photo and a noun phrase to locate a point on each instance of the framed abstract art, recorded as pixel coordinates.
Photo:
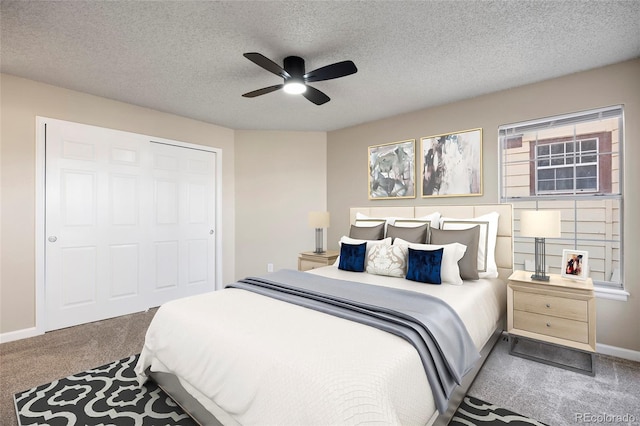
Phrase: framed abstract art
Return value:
(451, 164)
(392, 170)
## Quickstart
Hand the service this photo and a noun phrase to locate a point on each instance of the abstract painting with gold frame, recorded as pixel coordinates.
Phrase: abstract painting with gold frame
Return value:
(451, 164)
(392, 170)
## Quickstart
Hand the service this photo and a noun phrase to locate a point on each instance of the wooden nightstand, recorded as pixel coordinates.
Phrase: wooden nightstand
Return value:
(309, 260)
(560, 312)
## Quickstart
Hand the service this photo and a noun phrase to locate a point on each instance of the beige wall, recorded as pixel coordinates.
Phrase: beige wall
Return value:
(612, 85)
(22, 100)
(265, 204)
(280, 177)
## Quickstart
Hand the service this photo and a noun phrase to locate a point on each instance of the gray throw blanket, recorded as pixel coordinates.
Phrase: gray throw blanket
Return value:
(430, 325)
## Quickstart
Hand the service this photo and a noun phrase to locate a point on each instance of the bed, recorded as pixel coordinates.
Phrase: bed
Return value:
(237, 357)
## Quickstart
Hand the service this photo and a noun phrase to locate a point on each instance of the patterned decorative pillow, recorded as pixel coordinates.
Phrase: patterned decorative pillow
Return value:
(370, 243)
(425, 266)
(387, 259)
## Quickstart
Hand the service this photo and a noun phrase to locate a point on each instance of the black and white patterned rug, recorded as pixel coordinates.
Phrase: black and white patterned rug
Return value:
(110, 395)
(475, 412)
(107, 395)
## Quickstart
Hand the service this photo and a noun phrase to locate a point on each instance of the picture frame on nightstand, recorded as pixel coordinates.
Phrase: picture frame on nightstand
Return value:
(575, 264)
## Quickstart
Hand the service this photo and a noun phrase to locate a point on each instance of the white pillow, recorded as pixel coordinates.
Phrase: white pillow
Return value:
(487, 267)
(433, 218)
(364, 220)
(387, 259)
(452, 253)
(369, 223)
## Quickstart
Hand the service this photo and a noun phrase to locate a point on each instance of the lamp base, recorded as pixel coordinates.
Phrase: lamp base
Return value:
(319, 238)
(541, 271)
(536, 277)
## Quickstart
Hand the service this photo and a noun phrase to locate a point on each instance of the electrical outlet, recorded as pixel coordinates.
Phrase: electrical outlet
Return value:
(269, 267)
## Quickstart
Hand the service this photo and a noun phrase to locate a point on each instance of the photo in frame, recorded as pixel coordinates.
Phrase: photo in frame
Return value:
(451, 164)
(575, 264)
(392, 170)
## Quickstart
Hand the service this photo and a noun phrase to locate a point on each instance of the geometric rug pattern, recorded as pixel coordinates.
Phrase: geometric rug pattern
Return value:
(473, 412)
(110, 395)
(107, 395)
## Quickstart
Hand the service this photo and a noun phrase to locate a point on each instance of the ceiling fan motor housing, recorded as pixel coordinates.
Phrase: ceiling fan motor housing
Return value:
(294, 65)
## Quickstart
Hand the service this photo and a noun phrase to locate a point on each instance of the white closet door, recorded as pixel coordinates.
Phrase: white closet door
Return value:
(182, 222)
(122, 235)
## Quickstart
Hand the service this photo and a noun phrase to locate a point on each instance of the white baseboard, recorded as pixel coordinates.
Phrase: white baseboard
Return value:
(618, 352)
(19, 334)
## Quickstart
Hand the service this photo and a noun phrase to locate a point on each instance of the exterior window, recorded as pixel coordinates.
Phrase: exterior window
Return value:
(570, 163)
(567, 167)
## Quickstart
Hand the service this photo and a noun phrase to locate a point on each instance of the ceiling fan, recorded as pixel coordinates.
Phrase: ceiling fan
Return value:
(295, 79)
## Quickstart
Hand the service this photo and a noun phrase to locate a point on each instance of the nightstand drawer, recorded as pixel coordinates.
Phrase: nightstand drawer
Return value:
(305, 264)
(312, 260)
(547, 325)
(550, 305)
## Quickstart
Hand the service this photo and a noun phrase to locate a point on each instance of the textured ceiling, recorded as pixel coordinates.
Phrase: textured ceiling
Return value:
(186, 58)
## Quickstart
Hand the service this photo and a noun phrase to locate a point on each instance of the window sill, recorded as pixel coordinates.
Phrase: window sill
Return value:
(611, 294)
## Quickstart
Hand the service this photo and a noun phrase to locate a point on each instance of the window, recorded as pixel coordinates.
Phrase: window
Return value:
(571, 163)
(567, 166)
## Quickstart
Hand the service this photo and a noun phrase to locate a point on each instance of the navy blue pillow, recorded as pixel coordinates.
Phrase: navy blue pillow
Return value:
(424, 265)
(352, 257)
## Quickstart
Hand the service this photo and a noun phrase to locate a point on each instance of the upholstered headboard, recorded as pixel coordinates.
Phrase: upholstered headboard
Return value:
(504, 241)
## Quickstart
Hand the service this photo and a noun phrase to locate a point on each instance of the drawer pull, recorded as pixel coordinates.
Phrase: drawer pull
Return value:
(548, 324)
(548, 305)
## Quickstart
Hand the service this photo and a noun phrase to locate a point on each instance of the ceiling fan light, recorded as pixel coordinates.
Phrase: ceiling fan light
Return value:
(294, 87)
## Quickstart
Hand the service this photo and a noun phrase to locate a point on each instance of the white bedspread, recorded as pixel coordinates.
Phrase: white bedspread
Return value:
(267, 362)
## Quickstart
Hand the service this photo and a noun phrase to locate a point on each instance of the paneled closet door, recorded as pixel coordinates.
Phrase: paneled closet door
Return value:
(182, 221)
(120, 237)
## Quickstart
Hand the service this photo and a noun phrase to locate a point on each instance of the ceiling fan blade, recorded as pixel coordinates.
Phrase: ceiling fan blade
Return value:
(267, 64)
(263, 91)
(316, 96)
(339, 69)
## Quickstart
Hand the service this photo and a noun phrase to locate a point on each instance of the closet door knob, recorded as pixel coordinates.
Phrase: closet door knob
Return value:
(52, 239)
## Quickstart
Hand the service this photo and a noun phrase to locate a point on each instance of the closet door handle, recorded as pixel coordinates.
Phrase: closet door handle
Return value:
(52, 239)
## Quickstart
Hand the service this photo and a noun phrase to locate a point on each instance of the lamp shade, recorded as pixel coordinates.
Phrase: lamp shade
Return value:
(540, 224)
(319, 219)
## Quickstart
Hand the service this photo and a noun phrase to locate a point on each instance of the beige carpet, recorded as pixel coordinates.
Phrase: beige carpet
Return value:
(560, 397)
(549, 394)
(31, 362)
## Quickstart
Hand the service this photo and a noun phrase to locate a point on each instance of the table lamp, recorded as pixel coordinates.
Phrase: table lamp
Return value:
(540, 224)
(319, 220)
